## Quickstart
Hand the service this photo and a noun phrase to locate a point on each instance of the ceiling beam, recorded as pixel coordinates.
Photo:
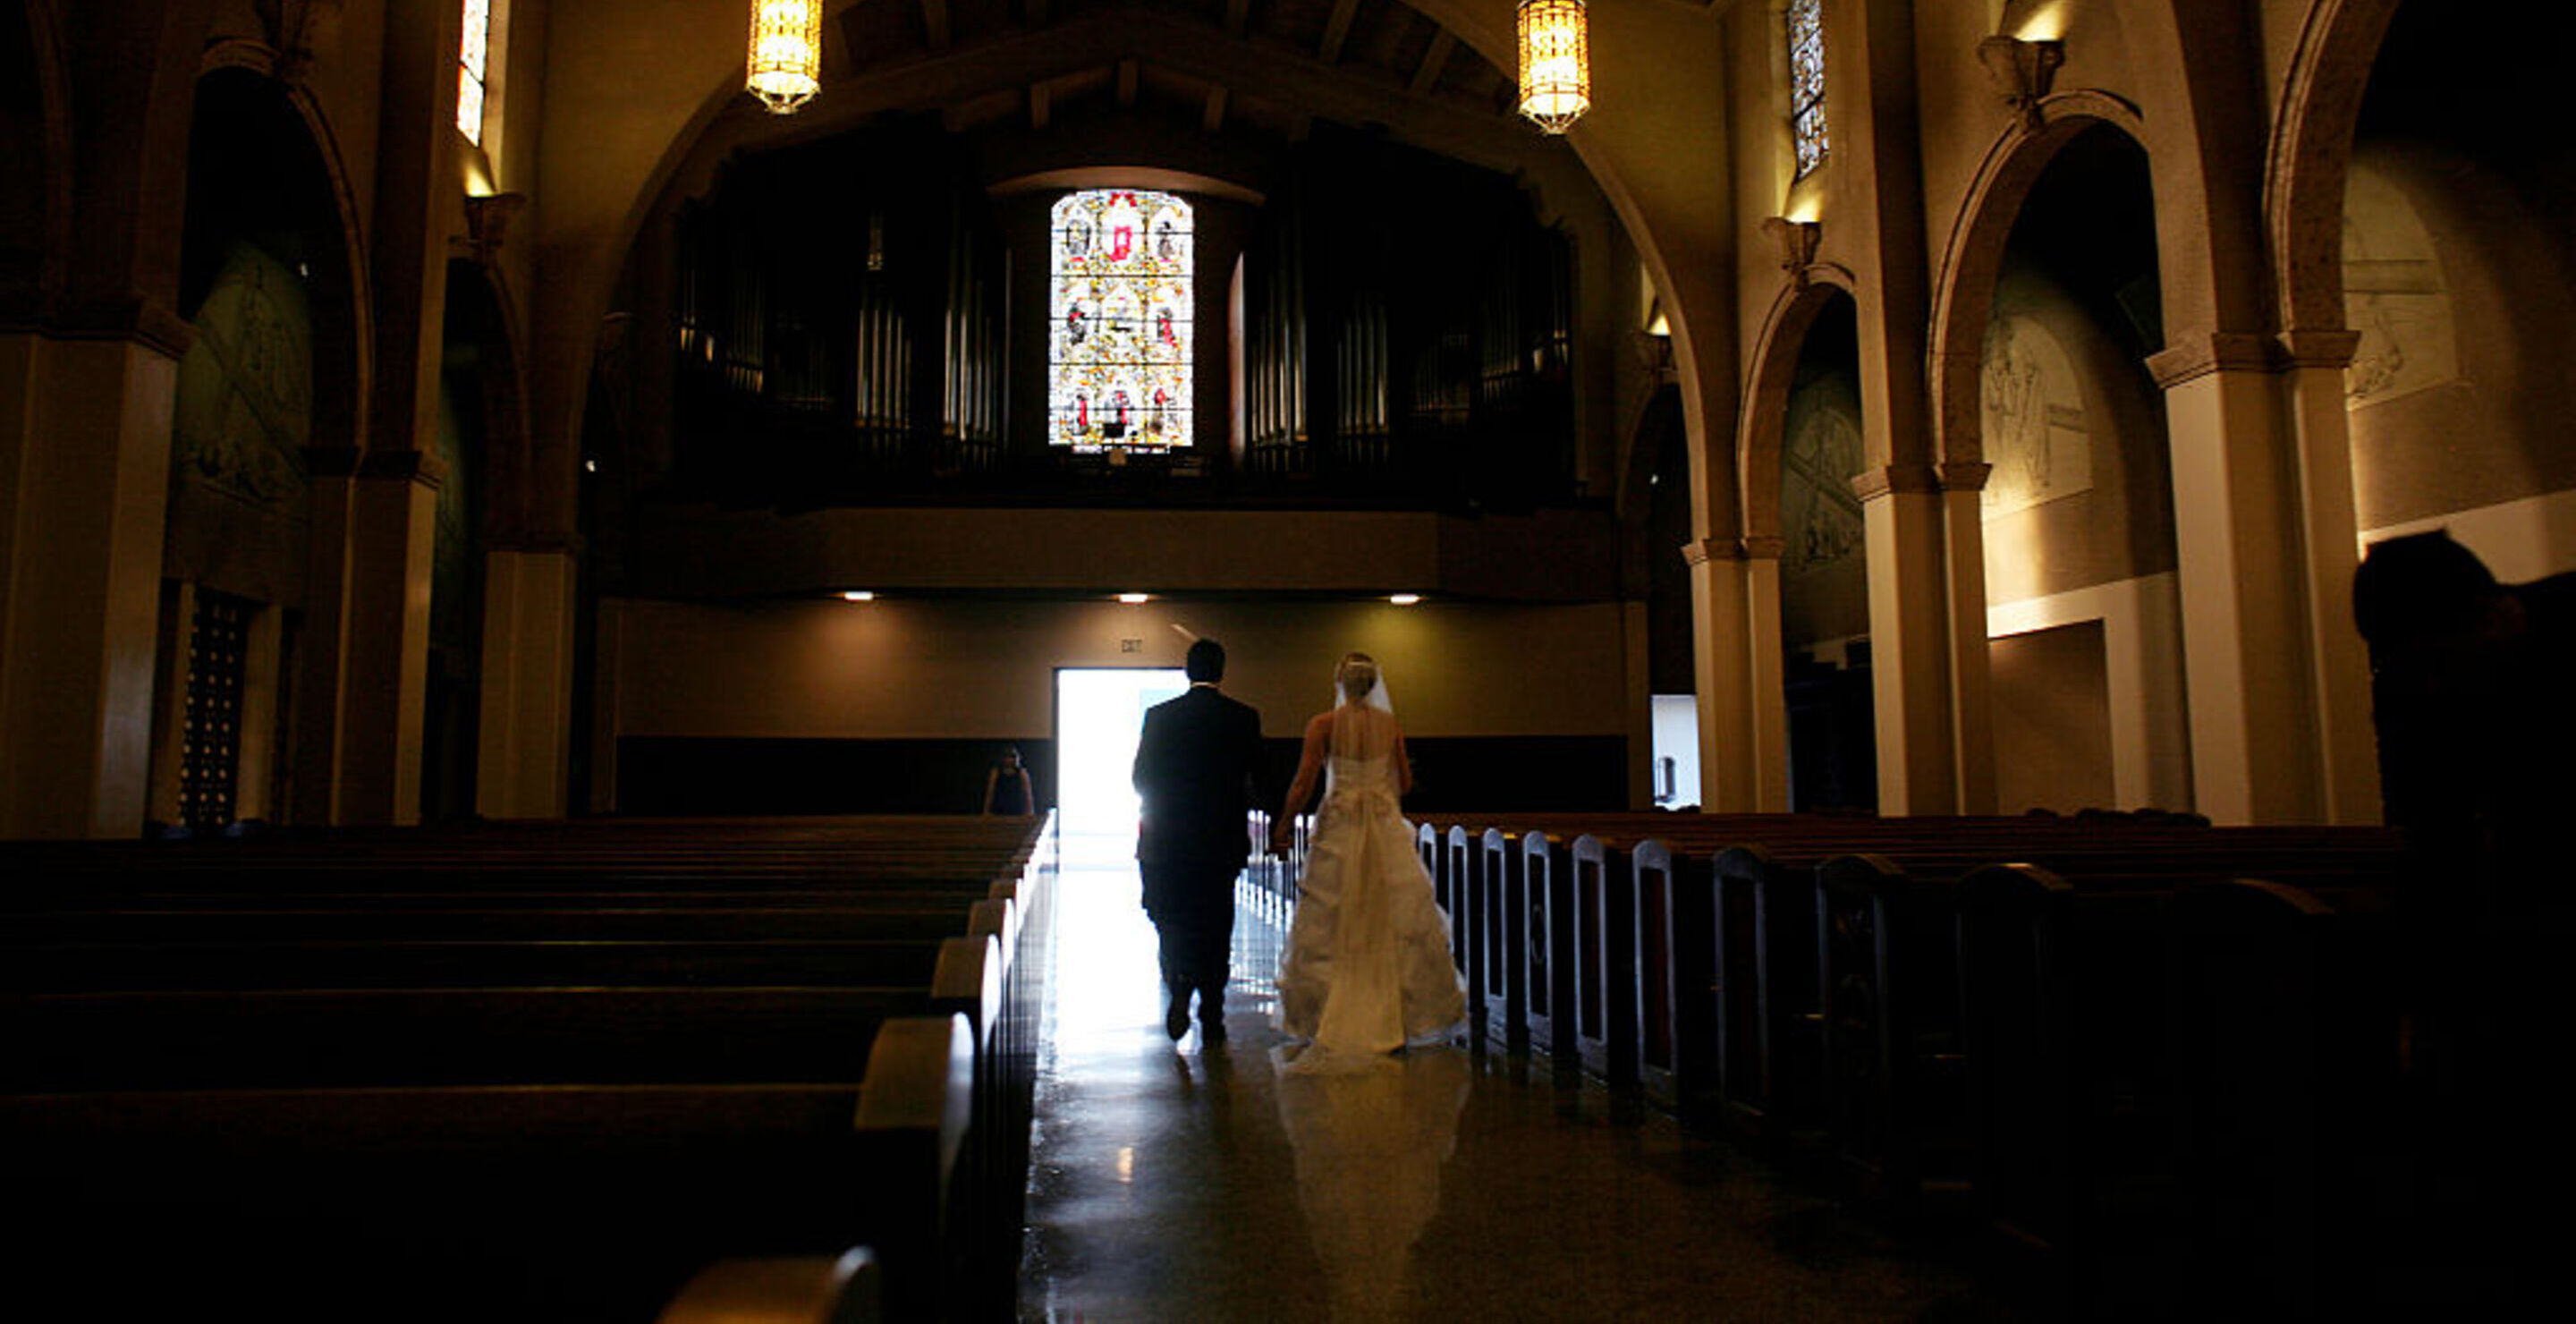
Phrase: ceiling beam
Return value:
(1186, 45)
(934, 21)
(1215, 117)
(1338, 30)
(1041, 105)
(1129, 72)
(1433, 61)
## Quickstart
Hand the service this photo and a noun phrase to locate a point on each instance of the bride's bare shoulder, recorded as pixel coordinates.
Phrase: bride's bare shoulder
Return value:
(1320, 724)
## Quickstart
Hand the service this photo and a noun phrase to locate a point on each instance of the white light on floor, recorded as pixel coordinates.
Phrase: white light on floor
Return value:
(1404, 599)
(1126, 1164)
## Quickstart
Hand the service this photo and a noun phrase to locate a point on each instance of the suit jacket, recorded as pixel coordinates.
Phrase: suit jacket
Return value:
(1197, 766)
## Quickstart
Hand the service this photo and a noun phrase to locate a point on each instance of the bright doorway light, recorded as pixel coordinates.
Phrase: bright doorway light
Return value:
(1676, 724)
(1098, 714)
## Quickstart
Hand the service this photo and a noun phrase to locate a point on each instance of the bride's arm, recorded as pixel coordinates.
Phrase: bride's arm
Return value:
(1403, 766)
(1310, 765)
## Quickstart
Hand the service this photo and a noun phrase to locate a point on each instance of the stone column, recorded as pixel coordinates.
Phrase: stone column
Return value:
(1963, 490)
(393, 509)
(523, 763)
(1637, 685)
(1902, 509)
(321, 652)
(1743, 707)
(2320, 427)
(2238, 535)
(84, 484)
(392, 502)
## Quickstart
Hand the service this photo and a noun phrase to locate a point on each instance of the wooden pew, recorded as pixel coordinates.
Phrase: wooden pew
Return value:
(1547, 961)
(995, 976)
(579, 1202)
(1502, 940)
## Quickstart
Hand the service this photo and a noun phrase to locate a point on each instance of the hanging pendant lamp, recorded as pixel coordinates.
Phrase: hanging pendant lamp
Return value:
(1556, 70)
(786, 53)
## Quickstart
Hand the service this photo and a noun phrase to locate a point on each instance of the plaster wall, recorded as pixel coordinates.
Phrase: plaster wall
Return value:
(2458, 398)
(2079, 496)
(2052, 719)
(921, 668)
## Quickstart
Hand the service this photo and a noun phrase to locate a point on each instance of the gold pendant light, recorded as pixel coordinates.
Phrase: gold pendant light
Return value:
(786, 52)
(1556, 70)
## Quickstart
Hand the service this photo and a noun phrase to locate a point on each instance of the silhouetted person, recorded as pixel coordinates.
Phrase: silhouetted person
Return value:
(2473, 693)
(1196, 762)
(1006, 787)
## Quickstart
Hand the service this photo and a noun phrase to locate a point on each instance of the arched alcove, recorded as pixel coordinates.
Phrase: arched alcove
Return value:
(1824, 566)
(2455, 268)
(2077, 509)
(267, 378)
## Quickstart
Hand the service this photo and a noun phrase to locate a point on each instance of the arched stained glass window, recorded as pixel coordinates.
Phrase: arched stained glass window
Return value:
(1120, 342)
(470, 56)
(1807, 83)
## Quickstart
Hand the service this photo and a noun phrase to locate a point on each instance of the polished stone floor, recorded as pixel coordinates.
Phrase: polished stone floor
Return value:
(1194, 1182)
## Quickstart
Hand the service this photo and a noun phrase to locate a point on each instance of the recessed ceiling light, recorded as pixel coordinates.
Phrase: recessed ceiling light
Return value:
(1404, 599)
(1131, 599)
(858, 595)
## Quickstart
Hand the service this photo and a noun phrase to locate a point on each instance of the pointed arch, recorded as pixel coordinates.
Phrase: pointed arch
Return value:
(1761, 430)
(1964, 287)
(2304, 182)
(35, 244)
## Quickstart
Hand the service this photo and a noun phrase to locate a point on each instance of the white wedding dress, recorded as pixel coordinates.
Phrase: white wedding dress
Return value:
(1367, 969)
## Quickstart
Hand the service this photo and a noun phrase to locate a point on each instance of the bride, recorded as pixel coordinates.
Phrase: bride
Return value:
(1367, 968)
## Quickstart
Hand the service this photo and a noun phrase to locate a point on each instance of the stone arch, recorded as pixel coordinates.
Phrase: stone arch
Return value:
(35, 128)
(481, 313)
(1765, 413)
(2303, 190)
(1964, 288)
(343, 358)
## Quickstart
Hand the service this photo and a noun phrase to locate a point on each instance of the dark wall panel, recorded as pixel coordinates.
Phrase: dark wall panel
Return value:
(750, 775)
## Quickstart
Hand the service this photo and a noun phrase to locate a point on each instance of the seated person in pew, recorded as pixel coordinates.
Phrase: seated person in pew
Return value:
(2473, 694)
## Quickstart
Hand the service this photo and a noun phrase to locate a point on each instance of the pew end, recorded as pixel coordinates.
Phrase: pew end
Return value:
(807, 1289)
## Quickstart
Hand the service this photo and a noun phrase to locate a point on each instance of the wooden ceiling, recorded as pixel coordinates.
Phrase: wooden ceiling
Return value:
(1269, 66)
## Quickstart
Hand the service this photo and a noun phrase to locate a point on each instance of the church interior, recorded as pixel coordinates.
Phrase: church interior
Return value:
(465, 456)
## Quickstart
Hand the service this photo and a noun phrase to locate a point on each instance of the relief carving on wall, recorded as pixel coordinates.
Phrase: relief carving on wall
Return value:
(245, 399)
(2036, 437)
(2393, 294)
(1819, 515)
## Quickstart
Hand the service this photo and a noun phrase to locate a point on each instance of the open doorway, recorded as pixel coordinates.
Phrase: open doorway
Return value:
(1098, 713)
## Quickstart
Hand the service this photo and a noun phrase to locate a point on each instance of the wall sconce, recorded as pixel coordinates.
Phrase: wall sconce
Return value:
(487, 223)
(2022, 72)
(1797, 241)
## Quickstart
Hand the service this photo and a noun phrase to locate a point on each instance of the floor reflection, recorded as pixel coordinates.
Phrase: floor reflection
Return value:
(1189, 1181)
(1370, 1145)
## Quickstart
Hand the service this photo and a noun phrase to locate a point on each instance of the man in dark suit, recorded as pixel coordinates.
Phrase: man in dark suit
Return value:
(1196, 765)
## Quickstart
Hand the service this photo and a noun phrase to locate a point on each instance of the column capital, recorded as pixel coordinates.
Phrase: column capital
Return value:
(403, 465)
(2320, 348)
(1965, 475)
(142, 320)
(2197, 354)
(1760, 547)
(1871, 484)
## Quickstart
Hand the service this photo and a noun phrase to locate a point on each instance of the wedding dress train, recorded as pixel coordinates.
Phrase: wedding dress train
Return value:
(1367, 968)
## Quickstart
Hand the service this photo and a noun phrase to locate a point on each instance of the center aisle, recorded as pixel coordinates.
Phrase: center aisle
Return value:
(1190, 1182)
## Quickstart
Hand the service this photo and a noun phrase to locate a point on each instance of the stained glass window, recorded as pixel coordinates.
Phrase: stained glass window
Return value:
(1807, 83)
(469, 75)
(1121, 337)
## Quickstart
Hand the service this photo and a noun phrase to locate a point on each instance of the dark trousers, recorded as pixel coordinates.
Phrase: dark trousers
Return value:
(1192, 906)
